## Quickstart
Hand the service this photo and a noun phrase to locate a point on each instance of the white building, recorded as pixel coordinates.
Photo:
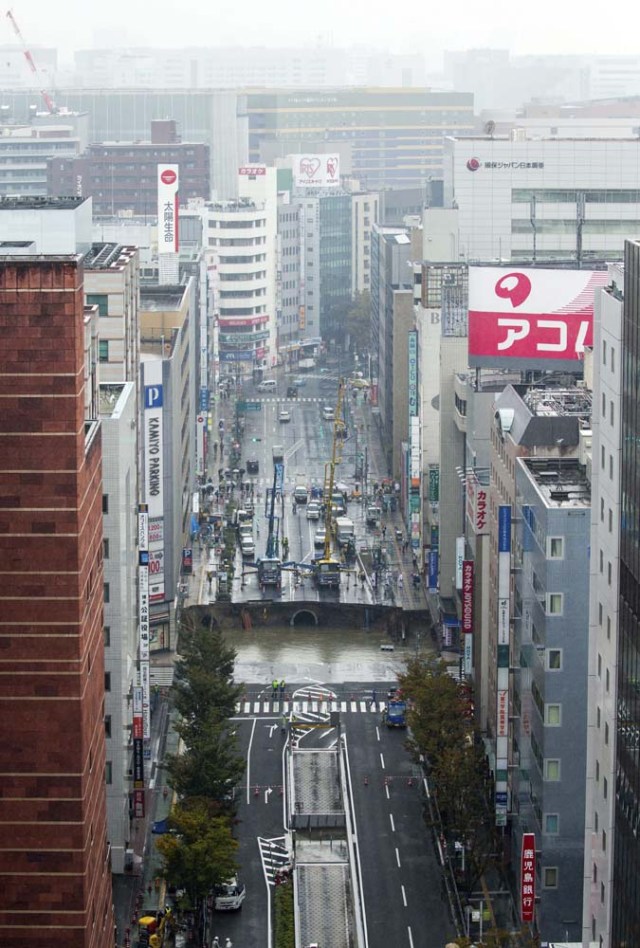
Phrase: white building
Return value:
(241, 252)
(604, 609)
(118, 417)
(52, 225)
(543, 199)
(364, 214)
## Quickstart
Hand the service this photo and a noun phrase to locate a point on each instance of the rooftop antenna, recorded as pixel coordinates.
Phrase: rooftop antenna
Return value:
(48, 101)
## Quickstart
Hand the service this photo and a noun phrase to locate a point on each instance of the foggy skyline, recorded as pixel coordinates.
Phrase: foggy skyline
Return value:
(546, 27)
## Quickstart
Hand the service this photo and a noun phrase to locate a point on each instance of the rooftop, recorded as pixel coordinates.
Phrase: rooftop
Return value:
(562, 482)
(19, 203)
(103, 256)
(155, 298)
(554, 402)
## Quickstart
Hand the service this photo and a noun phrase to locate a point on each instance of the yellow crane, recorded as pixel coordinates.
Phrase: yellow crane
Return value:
(327, 567)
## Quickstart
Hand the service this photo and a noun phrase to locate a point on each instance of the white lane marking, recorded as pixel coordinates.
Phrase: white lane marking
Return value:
(381, 760)
(377, 732)
(410, 936)
(285, 707)
(363, 705)
(247, 707)
(404, 898)
(267, 708)
(398, 858)
(256, 707)
(393, 825)
(253, 728)
(314, 707)
(386, 790)
(266, 794)
(272, 728)
(353, 706)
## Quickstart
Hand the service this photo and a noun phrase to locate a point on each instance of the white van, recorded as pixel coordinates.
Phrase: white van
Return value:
(267, 386)
(328, 413)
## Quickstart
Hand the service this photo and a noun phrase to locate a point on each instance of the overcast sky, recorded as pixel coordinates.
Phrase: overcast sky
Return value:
(545, 26)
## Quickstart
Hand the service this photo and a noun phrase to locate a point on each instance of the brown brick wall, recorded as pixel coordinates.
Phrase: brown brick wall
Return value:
(53, 850)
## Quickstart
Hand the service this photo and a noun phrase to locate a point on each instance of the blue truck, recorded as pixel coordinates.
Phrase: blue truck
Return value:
(395, 713)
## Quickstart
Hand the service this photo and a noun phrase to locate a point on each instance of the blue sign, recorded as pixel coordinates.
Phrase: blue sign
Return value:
(153, 396)
(204, 399)
(504, 528)
(433, 569)
(413, 372)
(237, 355)
(501, 798)
(279, 469)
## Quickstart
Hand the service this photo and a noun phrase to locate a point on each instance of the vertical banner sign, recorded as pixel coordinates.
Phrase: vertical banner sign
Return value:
(502, 697)
(154, 474)
(143, 618)
(459, 561)
(413, 372)
(467, 596)
(138, 755)
(168, 183)
(528, 877)
(433, 570)
(145, 681)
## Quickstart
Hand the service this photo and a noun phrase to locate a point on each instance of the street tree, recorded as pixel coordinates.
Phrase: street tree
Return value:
(199, 853)
(435, 715)
(210, 766)
(358, 321)
(203, 687)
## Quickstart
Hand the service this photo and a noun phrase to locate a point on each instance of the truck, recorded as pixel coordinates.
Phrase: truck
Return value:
(229, 895)
(395, 714)
(269, 570)
(300, 491)
(306, 365)
(345, 530)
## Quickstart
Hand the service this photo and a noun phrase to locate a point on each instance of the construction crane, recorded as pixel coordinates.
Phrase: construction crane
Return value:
(48, 101)
(270, 566)
(326, 569)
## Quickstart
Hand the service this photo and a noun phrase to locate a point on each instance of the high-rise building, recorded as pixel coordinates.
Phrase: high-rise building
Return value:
(364, 214)
(55, 855)
(543, 199)
(393, 138)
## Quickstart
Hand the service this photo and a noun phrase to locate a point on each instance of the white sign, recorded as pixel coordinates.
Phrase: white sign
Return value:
(145, 682)
(200, 444)
(143, 530)
(459, 559)
(153, 441)
(156, 530)
(168, 182)
(143, 586)
(316, 171)
(477, 505)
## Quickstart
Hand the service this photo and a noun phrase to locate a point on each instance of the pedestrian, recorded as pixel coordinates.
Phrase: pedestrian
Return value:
(274, 689)
(374, 702)
(215, 943)
(400, 581)
(384, 533)
(415, 562)
(405, 546)
(282, 686)
(228, 943)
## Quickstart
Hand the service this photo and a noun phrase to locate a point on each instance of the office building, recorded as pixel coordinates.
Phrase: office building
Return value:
(393, 138)
(48, 225)
(112, 283)
(549, 653)
(364, 214)
(121, 177)
(55, 855)
(612, 739)
(212, 117)
(289, 287)
(25, 151)
(241, 249)
(543, 199)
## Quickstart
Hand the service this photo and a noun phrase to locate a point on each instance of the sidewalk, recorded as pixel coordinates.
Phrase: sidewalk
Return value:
(136, 891)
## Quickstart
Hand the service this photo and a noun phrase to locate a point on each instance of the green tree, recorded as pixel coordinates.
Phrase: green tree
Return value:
(201, 852)
(203, 687)
(210, 767)
(358, 321)
(435, 714)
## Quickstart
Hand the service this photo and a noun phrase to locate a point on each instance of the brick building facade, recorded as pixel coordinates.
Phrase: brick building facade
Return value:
(54, 853)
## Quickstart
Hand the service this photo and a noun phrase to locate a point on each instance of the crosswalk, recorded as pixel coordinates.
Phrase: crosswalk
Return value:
(274, 855)
(278, 399)
(300, 708)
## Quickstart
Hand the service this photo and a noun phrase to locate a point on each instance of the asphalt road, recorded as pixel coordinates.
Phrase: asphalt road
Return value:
(400, 874)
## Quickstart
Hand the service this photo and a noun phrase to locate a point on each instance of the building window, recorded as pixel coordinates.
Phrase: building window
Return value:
(105, 549)
(552, 768)
(613, 359)
(108, 772)
(553, 715)
(602, 892)
(604, 841)
(599, 613)
(105, 503)
(551, 824)
(605, 787)
(611, 467)
(555, 604)
(610, 520)
(103, 350)
(601, 561)
(107, 681)
(555, 548)
(107, 593)
(604, 351)
(550, 877)
(106, 631)
(101, 300)
(107, 725)
(604, 404)
(611, 414)
(554, 659)
(606, 733)
(602, 457)
(602, 509)
(608, 627)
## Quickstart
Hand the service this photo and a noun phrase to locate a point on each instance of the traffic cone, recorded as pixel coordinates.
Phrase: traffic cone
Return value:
(256, 791)
(366, 780)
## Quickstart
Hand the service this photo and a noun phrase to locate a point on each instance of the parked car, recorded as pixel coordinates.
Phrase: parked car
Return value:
(284, 415)
(292, 391)
(300, 381)
(248, 547)
(253, 466)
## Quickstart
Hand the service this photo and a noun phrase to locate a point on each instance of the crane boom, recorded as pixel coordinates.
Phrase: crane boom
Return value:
(330, 471)
(48, 101)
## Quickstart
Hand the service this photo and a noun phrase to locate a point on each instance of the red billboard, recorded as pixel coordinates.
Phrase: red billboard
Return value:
(528, 877)
(467, 596)
(530, 318)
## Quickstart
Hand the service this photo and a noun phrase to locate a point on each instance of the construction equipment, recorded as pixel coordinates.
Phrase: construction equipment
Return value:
(156, 930)
(48, 101)
(270, 566)
(326, 569)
